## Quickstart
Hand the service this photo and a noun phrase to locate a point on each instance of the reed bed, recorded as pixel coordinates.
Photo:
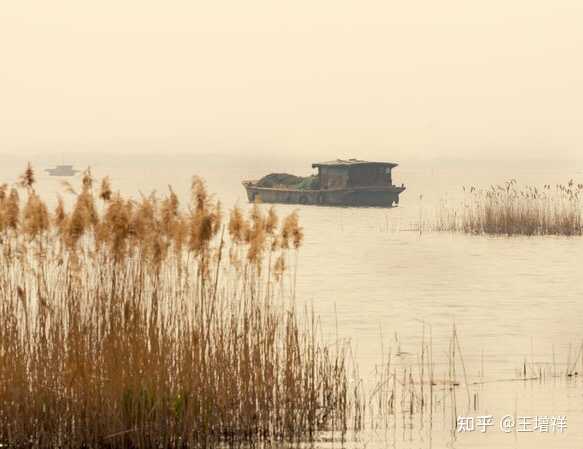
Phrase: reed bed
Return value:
(413, 392)
(148, 324)
(511, 209)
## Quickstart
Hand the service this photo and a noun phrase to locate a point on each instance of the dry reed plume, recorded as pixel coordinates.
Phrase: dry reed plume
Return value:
(513, 210)
(145, 324)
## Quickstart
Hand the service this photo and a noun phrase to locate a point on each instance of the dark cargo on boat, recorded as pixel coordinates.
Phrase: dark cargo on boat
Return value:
(350, 182)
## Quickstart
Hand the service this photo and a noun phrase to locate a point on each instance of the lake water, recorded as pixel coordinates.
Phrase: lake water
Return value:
(373, 278)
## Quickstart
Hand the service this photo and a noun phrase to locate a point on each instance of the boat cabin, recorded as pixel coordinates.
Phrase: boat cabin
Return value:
(349, 173)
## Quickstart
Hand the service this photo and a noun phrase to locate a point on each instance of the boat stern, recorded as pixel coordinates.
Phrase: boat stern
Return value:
(250, 189)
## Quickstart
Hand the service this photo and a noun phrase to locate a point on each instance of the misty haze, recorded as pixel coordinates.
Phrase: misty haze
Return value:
(296, 224)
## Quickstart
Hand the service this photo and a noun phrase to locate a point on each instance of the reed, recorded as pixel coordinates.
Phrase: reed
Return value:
(144, 323)
(411, 390)
(511, 209)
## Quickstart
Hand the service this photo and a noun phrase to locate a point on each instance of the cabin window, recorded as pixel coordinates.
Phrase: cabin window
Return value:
(333, 178)
(368, 175)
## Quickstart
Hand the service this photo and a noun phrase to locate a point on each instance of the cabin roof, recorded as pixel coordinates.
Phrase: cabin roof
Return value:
(351, 163)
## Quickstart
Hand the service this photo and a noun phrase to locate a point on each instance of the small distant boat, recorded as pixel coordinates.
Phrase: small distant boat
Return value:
(62, 170)
(349, 182)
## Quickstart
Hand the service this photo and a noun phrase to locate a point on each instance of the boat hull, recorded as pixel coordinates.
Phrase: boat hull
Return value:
(356, 197)
(57, 172)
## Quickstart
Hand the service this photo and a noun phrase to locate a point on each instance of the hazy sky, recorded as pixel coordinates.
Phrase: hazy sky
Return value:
(415, 77)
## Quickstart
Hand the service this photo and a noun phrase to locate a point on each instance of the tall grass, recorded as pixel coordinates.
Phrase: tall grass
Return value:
(511, 209)
(146, 324)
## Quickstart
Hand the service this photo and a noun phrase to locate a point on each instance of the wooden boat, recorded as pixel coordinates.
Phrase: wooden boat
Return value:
(350, 182)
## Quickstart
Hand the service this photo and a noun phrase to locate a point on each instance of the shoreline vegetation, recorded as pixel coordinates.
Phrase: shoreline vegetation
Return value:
(142, 324)
(511, 209)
